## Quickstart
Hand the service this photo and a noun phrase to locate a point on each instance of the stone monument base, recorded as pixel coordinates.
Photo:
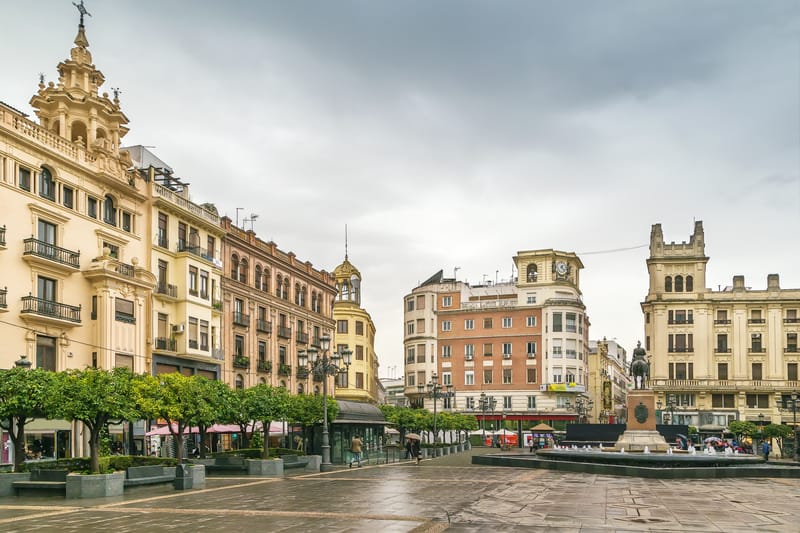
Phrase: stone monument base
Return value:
(634, 440)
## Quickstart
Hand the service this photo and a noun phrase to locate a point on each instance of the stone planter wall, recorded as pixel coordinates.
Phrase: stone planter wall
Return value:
(265, 467)
(313, 463)
(95, 485)
(198, 473)
(6, 480)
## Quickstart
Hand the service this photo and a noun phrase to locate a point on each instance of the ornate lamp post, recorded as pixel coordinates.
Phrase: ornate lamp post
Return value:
(486, 403)
(435, 390)
(792, 402)
(581, 407)
(760, 427)
(324, 365)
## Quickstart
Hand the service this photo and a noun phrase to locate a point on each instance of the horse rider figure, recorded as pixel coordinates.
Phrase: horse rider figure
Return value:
(640, 368)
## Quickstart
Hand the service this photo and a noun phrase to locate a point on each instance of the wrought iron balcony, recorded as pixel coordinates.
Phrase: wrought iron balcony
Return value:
(3, 294)
(166, 344)
(163, 241)
(195, 250)
(722, 349)
(241, 319)
(316, 342)
(721, 322)
(241, 361)
(284, 332)
(790, 349)
(36, 248)
(301, 338)
(265, 366)
(755, 320)
(3, 235)
(193, 344)
(126, 270)
(284, 370)
(757, 349)
(167, 290)
(785, 320)
(264, 326)
(49, 308)
(302, 372)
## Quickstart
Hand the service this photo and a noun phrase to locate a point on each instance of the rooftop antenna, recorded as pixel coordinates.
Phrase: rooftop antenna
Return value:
(455, 272)
(496, 273)
(237, 215)
(253, 217)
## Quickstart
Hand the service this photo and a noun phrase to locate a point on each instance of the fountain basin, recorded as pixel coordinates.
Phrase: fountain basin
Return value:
(652, 465)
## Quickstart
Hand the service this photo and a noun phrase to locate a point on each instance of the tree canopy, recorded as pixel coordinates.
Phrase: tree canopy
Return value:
(22, 399)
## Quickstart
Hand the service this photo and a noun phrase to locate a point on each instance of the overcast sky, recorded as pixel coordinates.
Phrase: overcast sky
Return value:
(454, 134)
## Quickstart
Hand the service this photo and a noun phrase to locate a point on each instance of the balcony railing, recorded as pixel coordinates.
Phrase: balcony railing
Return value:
(3, 294)
(193, 344)
(284, 370)
(785, 320)
(52, 252)
(241, 319)
(301, 338)
(49, 308)
(163, 242)
(3, 235)
(216, 304)
(722, 384)
(302, 372)
(124, 269)
(681, 321)
(284, 332)
(680, 350)
(721, 322)
(241, 361)
(757, 349)
(722, 349)
(193, 208)
(790, 349)
(166, 344)
(265, 366)
(264, 326)
(196, 250)
(167, 290)
(316, 343)
(755, 320)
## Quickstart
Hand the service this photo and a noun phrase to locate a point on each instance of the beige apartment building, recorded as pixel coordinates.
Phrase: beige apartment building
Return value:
(608, 382)
(355, 331)
(523, 342)
(76, 280)
(723, 355)
(273, 307)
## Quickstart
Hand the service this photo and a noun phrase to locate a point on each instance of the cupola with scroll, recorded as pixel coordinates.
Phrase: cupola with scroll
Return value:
(73, 108)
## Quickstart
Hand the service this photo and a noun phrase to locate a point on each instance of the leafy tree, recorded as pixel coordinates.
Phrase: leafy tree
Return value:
(238, 412)
(174, 398)
(779, 432)
(307, 410)
(96, 398)
(265, 404)
(213, 397)
(742, 428)
(22, 399)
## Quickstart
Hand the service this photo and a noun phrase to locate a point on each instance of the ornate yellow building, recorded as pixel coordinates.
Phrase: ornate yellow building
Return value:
(356, 332)
(722, 355)
(77, 283)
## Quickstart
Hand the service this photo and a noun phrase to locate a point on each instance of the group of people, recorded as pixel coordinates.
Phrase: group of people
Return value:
(356, 444)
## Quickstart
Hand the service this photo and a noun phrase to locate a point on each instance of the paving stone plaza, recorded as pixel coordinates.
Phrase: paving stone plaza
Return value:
(446, 493)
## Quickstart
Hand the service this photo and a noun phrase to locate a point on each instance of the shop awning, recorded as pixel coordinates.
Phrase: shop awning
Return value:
(358, 413)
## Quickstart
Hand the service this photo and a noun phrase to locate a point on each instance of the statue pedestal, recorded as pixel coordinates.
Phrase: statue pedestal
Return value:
(641, 425)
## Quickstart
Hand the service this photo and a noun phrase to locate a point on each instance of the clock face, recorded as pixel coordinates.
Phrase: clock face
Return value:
(561, 268)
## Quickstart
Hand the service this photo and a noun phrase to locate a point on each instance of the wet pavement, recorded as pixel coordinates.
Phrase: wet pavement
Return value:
(446, 493)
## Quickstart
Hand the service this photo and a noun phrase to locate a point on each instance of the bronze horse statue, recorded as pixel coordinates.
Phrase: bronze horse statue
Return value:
(640, 368)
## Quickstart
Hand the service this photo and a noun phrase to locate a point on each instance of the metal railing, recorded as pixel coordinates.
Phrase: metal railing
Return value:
(178, 200)
(3, 294)
(167, 290)
(52, 252)
(167, 344)
(40, 306)
(265, 366)
(241, 319)
(720, 384)
(264, 326)
(126, 270)
(241, 361)
(3, 235)
(284, 332)
(284, 370)
(301, 338)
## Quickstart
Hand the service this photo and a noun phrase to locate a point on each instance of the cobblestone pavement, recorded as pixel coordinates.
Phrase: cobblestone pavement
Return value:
(446, 493)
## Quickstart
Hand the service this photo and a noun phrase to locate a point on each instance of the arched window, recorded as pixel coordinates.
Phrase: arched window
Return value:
(258, 277)
(297, 294)
(689, 284)
(668, 284)
(235, 266)
(47, 187)
(303, 297)
(300, 389)
(678, 283)
(239, 381)
(109, 211)
(344, 291)
(532, 274)
(243, 271)
(279, 286)
(314, 301)
(286, 289)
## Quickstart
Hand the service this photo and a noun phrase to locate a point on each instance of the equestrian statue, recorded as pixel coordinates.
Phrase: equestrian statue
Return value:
(640, 368)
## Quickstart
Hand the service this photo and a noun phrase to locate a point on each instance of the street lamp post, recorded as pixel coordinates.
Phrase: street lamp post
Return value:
(792, 401)
(760, 427)
(435, 390)
(581, 406)
(324, 365)
(486, 403)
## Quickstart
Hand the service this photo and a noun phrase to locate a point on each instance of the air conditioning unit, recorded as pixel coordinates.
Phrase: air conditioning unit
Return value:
(177, 328)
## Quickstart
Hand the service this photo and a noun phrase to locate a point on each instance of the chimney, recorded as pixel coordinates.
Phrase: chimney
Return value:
(738, 283)
(773, 282)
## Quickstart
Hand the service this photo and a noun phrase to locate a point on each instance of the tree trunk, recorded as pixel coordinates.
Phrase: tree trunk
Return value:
(94, 449)
(179, 446)
(265, 428)
(18, 439)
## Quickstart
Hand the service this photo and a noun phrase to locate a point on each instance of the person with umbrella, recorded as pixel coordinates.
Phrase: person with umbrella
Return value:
(413, 438)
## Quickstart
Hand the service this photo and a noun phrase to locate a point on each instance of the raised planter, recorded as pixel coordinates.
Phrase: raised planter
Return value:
(445, 450)
(314, 462)
(265, 467)
(198, 474)
(6, 480)
(95, 485)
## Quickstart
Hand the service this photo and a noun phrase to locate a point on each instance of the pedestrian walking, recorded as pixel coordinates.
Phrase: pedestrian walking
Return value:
(415, 451)
(765, 447)
(409, 454)
(355, 450)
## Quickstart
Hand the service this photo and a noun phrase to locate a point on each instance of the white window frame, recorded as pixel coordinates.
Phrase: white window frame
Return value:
(447, 301)
(508, 322)
(507, 349)
(447, 350)
(531, 403)
(469, 323)
(469, 377)
(447, 325)
(530, 321)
